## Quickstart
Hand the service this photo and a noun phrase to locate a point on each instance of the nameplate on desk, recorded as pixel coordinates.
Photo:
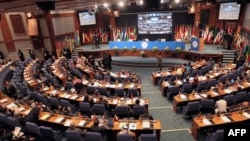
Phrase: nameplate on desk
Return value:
(246, 114)
(225, 119)
(206, 121)
(82, 123)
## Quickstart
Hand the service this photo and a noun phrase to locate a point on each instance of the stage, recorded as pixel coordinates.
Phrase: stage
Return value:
(208, 49)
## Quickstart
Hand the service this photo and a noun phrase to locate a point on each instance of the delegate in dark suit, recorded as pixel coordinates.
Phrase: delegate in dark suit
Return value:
(9, 90)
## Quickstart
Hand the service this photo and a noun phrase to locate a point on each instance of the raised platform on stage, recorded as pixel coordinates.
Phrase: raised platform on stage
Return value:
(147, 45)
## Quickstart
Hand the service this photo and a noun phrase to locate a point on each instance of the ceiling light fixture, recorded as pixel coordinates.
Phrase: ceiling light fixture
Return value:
(105, 5)
(121, 3)
(177, 1)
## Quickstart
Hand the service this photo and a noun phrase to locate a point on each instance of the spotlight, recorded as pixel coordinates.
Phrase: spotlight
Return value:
(121, 3)
(177, 1)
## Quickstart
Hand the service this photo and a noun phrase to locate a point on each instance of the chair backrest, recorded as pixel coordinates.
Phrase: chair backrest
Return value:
(3, 118)
(201, 86)
(119, 92)
(187, 88)
(53, 101)
(98, 109)
(124, 137)
(211, 83)
(47, 132)
(65, 103)
(103, 91)
(207, 103)
(91, 89)
(218, 135)
(69, 85)
(132, 91)
(148, 137)
(138, 110)
(93, 136)
(229, 99)
(240, 97)
(73, 135)
(194, 72)
(32, 128)
(84, 107)
(13, 122)
(122, 110)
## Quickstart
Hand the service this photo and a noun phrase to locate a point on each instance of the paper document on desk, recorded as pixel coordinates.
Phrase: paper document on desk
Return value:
(228, 91)
(66, 95)
(59, 119)
(145, 124)
(246, 114)
(197, 96)
(121, 124)
(16, 131)
(81, 123)
(21, 109)
(206, 121)
(3, 100)
(112, 86)
(119, 85)
(44, 117)
(11, 106)
(132, 85)
(67, 122)
(204, 95)
(225, 119)
(74, 97)
(115, 101)
(45, 89)
(214, 94)
(85, 82)
(27, 112)
(132, 126)
(53, 92)
(183, 97)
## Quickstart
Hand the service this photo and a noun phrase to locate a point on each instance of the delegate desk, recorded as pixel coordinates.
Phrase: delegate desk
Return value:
(12, 105)
(134, 125)
(203, 122)
(181, 99)
(79, 98)
(28, 75)
(147, 45)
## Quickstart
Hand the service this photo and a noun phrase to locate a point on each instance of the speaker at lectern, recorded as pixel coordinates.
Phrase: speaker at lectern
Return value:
(197, 44)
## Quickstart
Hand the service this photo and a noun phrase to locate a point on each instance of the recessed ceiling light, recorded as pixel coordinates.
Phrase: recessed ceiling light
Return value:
(121, 3)
(105, 5)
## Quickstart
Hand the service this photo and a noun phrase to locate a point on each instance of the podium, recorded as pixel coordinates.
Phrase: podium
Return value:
(197, 44)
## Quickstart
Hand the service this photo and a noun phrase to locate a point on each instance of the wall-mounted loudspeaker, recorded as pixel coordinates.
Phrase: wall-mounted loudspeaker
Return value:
(46, 5)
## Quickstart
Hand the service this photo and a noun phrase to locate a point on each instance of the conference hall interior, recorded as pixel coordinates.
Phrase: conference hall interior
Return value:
(124, 70)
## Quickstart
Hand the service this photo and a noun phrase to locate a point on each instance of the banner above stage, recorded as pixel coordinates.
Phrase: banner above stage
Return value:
(147, 45)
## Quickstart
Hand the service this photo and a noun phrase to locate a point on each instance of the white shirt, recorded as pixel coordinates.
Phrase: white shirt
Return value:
(221, 106)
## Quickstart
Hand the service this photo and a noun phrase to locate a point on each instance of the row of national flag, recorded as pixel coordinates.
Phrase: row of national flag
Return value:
(211, 35)
(119, 33)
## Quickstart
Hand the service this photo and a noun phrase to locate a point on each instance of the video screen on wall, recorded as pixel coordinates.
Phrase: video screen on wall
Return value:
(229, 11)
(155, 23)
(86, 18)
